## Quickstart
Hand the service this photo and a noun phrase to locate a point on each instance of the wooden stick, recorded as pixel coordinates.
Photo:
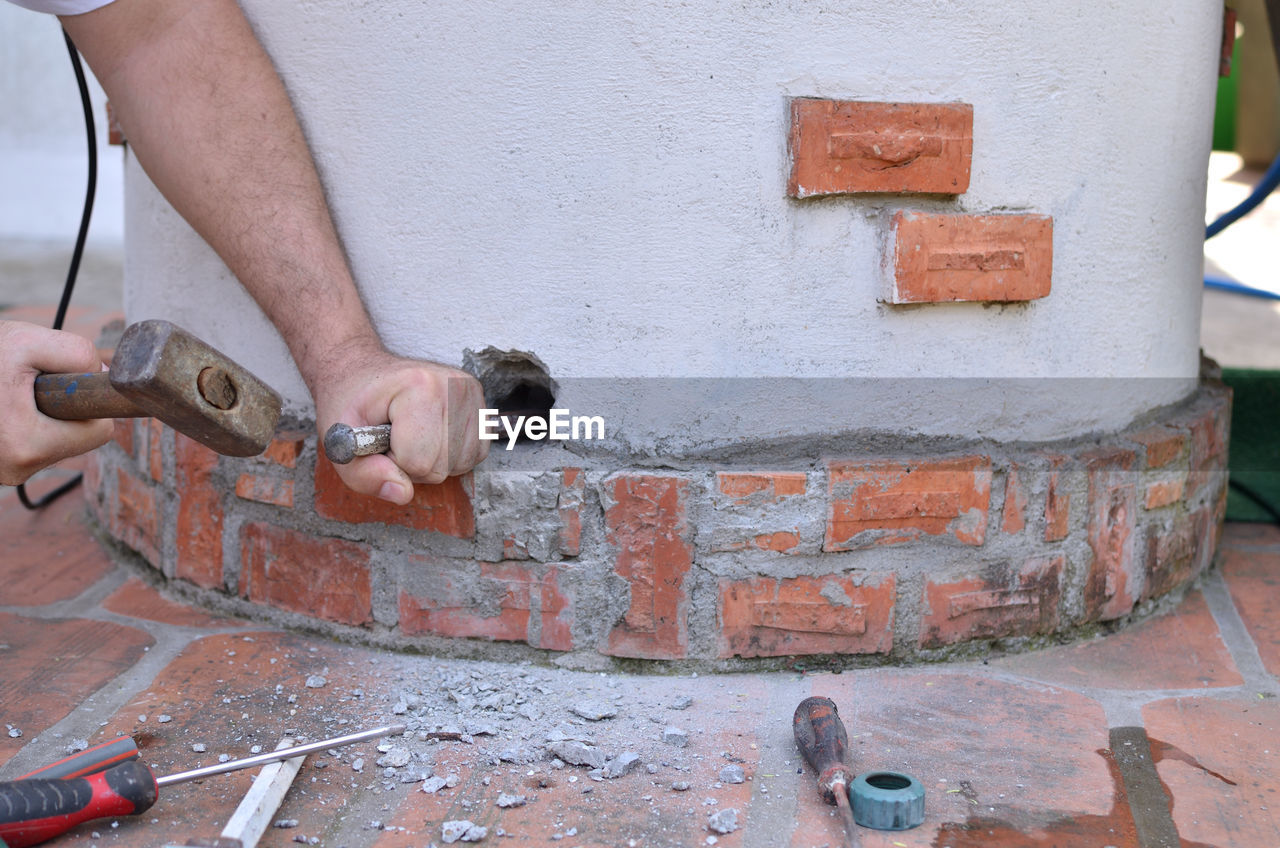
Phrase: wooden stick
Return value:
(252, 818)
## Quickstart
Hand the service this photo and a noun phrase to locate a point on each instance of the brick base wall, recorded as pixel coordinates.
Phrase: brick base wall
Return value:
(916, 555)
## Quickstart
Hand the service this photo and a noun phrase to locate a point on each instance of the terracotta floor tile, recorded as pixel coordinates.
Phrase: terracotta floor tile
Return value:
(47, 555)
(48, 668)
(1254, 581)
(228, 693)
(1001, 763)
(1220, 763)
(138, 600)
(1237, 533)
(1139, 658)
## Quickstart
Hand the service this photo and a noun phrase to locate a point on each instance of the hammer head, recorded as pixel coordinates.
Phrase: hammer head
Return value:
(194, 389)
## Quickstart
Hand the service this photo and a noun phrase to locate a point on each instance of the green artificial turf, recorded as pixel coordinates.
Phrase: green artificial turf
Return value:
(1255, 441)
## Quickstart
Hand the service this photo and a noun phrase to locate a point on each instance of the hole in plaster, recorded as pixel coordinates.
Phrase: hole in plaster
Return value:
(515, 382)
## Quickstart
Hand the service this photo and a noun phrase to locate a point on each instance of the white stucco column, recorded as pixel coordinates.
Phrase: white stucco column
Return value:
(604, 185)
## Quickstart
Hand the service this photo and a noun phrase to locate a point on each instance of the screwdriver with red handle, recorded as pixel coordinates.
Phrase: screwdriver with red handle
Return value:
(821, 737)
(38, 809)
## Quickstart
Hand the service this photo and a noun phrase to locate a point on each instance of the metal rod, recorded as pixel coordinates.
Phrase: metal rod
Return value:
(277, 756)
(846, 813)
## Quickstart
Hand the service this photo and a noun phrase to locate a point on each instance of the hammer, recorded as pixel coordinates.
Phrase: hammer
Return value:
(160, 370)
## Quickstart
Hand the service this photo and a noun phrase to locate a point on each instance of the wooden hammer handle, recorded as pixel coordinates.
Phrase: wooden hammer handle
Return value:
(76, 397)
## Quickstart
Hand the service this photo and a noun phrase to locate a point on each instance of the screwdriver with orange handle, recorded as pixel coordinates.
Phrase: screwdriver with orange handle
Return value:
(821, 737)
(35, 810)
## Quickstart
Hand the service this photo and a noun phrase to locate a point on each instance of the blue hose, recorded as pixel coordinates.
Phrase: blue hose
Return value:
(1223, 284)
(1265, 186)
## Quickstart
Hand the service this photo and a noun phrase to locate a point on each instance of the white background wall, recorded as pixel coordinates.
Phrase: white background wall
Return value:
(43, 162)
(603, 184)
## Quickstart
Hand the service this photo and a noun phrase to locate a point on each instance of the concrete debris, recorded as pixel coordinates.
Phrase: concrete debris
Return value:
(164, 719)
(14, 733)
(593, 710)
(683, 702)
(433, 785)
(397, 757)
(199, 748)
(357, 764)
(463, 830)
(675, 736)
(680, 786)
(732, 774)
(285, 823)
(520, 755)
(316, 681)
(77, 745)
(578, 754)
(621, 764)
(724, 821)
(142, 719)
(505, 800)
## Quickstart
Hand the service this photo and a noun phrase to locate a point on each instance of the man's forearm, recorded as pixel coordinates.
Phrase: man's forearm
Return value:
(210, 122)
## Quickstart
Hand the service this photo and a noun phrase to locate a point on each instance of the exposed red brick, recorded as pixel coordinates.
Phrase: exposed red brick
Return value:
(946, 257)
(115, 135)
(780, 542)
(525, 595)
(1109, 590)
(761, 486)
(1209, 435)
(1015, 503)
(646, 523)
(993, 606)
(846, 146)
(888, 502)
(285, 449)
(1163, 444)
(263, 489)
(123, 434)
(155, 448)
(444, 507)
(572, 493)
(93, 493)
(1164, 493)
(322, 577)
(136, 522)
(200, 514)
(1228, 48)
(770, 617)
(1057, 504)
(1173, 556)
(514, 549)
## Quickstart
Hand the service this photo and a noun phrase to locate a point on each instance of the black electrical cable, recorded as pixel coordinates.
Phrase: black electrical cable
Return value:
(61, 315)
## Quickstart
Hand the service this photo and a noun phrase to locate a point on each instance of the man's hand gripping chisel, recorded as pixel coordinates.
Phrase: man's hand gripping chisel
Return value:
(821, 737)
(32, 811)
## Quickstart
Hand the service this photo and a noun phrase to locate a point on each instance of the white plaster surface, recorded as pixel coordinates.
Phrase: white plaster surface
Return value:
(603, 184)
